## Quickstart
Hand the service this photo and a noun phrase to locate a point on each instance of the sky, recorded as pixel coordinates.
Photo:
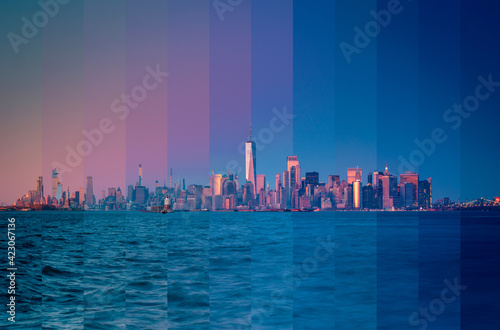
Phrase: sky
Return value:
(212, 68)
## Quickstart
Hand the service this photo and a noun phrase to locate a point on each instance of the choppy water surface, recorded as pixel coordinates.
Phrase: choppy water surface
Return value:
(238, 270)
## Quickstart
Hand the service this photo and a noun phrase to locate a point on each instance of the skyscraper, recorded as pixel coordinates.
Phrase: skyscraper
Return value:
(333, 180)
(387, 202)
(215, 183)
(356, 192)
(293, 180)
(425, 193)
(369, 197)
(130, 193)
(354, 174)
(250, 161)
(261, 182)
(412, 178)
(389, 188)
(55, 182)
(140, 175)
(81, 196)
(170, 178)
(293, 168)
(59, 192)
(312, 178)
(277, 199)
(237, 180)
(285, 196)
(406, 194)
(141, 194)
(90, 191)
(376, 177)
(39, 187)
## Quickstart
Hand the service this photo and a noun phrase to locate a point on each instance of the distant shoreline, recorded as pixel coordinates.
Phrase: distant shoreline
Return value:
(481, 209)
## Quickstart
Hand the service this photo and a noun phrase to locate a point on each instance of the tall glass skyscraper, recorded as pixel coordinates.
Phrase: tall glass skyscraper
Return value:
(250, 162)
(55, 182)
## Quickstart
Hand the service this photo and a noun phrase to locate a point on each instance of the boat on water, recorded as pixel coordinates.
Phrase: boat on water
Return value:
(167, 208)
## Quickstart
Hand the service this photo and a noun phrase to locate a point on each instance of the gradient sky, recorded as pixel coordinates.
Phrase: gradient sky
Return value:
(224, 74)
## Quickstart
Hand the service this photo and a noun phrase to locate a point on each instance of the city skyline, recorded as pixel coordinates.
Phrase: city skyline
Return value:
(225, 191)
(289, 178)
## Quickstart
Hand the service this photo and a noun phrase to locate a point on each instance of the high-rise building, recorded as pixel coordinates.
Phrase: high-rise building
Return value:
(312, 178)
(333, 180)
(250, 161)
(81, 196)
(140, 175)
(412, 178)
(369, 197)
(389, 188)
(278, 188)
(170, 178)
(286, 180)
(229, 188)
(386, 202)
(430, 191)
(90, 191)
(215, 183)
(130, 193)
(293, 168)
(55, 182)
(261, 182)
(425, 193)
(39, 188)
(237, 180)
(356, 194)
(119, 195)
(406, 194)
(354, 174)
(277, 182)
(59, 192)
(141, 194)
(376, 177)
(349, 196)
(248, 193)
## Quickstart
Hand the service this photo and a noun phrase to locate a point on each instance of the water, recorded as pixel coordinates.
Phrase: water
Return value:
(200, 270)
